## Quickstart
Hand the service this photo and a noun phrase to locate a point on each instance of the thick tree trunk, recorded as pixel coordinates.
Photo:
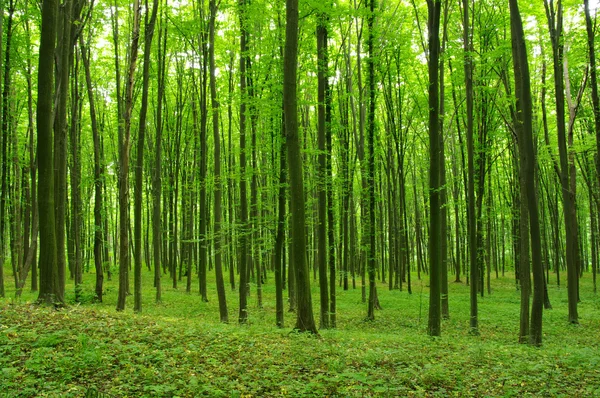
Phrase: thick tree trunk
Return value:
(528, 166)
(305, 321)
(50, 292)
(60, 137)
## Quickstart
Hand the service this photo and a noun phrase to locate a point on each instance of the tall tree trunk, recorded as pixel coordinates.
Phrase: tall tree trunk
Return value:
(32, 247)
(305, 321)
(280, 237)
(6, 127)
(435, 233)
(202, 271)
(75, 174)
(555, 25)
(60, 135)
(444, 189)
(157, 227)
(528, 166)
(124, 149)
(50, 292)
(471, 225)
(370, 261)
(217, 170)
(139, 167)
(322, 73)
(243, 288)
(98, 176)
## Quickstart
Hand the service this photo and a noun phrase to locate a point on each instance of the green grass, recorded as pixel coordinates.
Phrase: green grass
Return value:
(178, 348)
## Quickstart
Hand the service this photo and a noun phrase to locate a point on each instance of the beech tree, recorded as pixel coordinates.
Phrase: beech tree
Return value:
(435, 232)
(50, 289)
(304, 321)
(528, 166)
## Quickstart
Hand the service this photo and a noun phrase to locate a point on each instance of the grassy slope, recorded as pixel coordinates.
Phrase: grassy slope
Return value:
(179, 348)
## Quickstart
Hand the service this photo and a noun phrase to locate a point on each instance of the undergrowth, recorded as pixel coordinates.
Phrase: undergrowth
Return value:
(178, 348)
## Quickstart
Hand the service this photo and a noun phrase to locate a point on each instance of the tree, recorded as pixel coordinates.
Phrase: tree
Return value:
(370, 219)
(6, 136)
(435, 232)
(471, 225)
(528, 165)
(157, 229)
(243, 268)
(304, 321)
(124, 149)
(139, 167)
(98, 175)
(555, 26)
(50, 291)
(322, 71)
(217, 169)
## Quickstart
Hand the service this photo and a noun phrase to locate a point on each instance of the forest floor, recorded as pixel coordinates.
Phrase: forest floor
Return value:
(179, 348)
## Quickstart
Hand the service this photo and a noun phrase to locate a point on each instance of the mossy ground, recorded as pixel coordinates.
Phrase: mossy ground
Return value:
(179, 348)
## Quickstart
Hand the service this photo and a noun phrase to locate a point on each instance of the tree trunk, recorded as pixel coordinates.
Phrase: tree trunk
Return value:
(555, 25)
(60, 136)
(370, 219)
(50, 292)
(435, 233)
(471, 225)
(322, 73)
(98, 176)
(243, 288)
(280, 237)
(124, 149)
(305, 321)
(217, 170)
(6, 127)
(139, 167)
(157, 227)
(528, 166)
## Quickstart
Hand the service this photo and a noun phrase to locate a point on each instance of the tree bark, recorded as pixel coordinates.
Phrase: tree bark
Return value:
(322, 73)
(98, 176)
(243, 288)
(217, 170)
(555, 26)
(528, 166)
(305, 321)
(371, 161)
(50, 292)
(435, 233)
(139, 167)
(471, 224)
(124, 149)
